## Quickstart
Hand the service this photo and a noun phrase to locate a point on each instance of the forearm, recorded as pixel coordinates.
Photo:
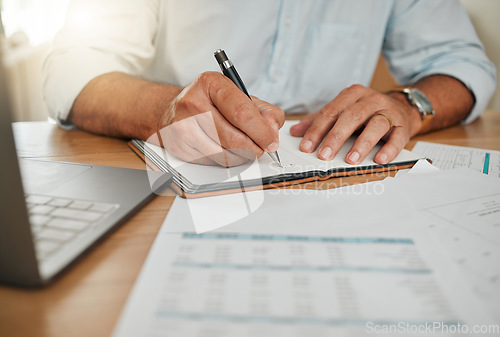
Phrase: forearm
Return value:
(450, 98)
(119, 105)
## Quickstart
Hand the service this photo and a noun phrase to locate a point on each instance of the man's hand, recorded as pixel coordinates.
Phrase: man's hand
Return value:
(120, 105)
(354, 108)
(212, 122)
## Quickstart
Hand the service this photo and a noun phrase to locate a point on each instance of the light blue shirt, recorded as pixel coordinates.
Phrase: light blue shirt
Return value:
(296, 54)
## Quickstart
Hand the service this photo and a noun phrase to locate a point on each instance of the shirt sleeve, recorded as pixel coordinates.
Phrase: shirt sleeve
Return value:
(98, 37)
(429, 37)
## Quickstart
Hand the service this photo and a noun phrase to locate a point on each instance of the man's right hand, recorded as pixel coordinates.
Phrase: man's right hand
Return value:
(212, 122)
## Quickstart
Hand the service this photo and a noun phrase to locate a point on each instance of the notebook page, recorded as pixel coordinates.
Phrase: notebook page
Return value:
(292, 159)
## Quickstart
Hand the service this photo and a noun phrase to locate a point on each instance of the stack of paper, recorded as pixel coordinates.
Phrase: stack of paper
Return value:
(372, 259)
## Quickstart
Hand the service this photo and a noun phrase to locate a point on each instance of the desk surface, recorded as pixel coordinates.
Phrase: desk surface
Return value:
(88, 299)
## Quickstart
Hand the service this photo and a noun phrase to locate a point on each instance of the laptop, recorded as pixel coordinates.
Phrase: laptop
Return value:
(53, 212)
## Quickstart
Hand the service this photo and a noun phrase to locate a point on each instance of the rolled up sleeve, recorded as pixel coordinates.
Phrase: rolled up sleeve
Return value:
(98, 37)
(430, 37)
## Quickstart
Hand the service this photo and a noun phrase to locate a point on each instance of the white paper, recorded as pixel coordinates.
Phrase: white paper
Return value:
(327, 263)
(462, 208)
(292, 160)
(420, 167)
(448, 157)
(356, 204)
(305, 263)
(339, 284)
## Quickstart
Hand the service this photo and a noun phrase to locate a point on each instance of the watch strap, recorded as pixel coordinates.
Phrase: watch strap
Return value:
(426, 116)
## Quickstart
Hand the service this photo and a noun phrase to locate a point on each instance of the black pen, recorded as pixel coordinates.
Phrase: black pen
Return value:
(229, 70)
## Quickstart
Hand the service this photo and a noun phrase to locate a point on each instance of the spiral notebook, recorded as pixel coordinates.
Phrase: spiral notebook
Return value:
(193, 180)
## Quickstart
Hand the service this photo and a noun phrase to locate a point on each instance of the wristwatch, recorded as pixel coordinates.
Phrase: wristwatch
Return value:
(418, 99)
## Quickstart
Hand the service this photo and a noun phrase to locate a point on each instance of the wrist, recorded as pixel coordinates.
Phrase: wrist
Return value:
(163, 109)
(413, 115)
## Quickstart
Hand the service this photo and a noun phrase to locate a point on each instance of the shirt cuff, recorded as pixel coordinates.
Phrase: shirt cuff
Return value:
(481, 86)
(67, 75)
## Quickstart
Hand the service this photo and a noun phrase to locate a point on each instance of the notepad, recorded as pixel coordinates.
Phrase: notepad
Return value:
(194, 180)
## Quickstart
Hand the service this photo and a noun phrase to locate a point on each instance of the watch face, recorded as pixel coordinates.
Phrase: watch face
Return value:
(421, 100)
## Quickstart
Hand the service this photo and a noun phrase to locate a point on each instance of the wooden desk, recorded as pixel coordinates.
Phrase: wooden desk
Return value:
(88, 299)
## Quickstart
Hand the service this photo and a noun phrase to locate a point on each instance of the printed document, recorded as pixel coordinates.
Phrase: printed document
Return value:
(326, 277)
(462, 208)
(448, 157)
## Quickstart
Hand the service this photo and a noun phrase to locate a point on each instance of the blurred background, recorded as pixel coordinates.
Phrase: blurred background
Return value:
(30, 26)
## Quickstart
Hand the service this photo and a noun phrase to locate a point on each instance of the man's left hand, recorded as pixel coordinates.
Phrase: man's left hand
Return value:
(354, 108)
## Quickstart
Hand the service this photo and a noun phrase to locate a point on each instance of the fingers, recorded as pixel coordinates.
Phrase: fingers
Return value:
(185, 152)
(274, 116)
(240, 111)
(181, 150)
(324, 122)
(357, 108)
(299, 129)
(219, 131)
(349, 120)
(212, 150)
(195, 140)
(212, 118)
(398, 139)
(376, 128)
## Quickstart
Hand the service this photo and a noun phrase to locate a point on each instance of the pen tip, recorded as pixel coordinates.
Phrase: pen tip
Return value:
(278, 160)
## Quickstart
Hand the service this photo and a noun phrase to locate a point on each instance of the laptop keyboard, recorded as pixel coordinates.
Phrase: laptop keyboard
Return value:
(57, 221)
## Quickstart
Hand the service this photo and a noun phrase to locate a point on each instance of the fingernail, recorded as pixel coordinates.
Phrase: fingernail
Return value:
(273, 147)
(326, 153)
(354, 157)
(307, 146)
(383, 158)
(276, 126)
